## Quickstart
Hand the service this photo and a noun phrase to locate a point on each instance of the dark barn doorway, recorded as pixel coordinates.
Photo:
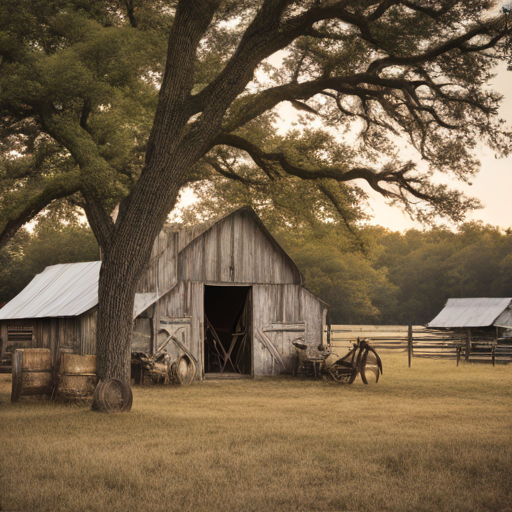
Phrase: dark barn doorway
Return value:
(227, 344)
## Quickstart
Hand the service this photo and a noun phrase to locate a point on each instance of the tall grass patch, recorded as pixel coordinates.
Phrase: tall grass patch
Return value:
(430, 437)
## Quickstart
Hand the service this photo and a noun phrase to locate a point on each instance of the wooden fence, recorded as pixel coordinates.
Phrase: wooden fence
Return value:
(419, 341)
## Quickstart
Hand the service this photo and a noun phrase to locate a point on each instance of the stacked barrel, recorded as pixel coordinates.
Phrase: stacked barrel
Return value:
(33, 375)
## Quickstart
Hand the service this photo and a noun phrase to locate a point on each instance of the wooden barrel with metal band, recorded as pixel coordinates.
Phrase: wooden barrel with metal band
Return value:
(31, 373)
(77, 376)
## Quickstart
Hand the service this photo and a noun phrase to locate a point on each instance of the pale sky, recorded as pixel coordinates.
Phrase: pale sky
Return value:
(493, 185)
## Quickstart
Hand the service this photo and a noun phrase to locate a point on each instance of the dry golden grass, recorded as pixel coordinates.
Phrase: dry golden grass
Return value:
(430, 438)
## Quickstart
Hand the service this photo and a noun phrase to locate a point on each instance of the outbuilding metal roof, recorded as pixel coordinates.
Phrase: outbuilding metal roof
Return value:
(478, 312)
(60, 290)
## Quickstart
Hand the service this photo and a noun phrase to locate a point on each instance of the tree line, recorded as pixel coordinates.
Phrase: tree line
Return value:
(403, 278)
(398, 278)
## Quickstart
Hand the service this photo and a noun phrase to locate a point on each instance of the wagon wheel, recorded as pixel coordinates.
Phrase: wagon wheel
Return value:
(112, 395)
(370, 367)
(182, 371)
(342, 374)
(185, 370)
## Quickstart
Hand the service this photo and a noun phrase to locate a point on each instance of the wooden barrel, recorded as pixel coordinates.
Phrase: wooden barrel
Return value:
(77, 376)
(31, 373)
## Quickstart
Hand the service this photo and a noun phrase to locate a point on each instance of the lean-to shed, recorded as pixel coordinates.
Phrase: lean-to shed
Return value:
(225, 290)
(57, 310)
(491, 315)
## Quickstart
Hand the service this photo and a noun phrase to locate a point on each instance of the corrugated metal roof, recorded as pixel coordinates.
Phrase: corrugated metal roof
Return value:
(505, 319)
(60, 290)
(477, 312)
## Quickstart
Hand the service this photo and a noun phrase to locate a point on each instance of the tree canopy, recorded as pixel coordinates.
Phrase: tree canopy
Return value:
(80, 81)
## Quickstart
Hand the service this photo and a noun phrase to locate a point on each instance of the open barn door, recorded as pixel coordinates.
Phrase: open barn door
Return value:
(227, 342)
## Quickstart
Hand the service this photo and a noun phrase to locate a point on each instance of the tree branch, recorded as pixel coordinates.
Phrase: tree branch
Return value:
(373, 178)
(55, 188)
(456, 43)
(100, 221)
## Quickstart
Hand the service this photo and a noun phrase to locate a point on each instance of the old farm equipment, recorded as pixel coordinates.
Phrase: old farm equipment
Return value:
(162, 368)
(361, 359)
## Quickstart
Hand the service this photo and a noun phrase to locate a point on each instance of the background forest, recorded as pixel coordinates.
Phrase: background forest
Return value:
(374, 276)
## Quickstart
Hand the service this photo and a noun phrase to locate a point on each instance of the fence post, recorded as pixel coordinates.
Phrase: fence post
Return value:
(468, 345)
(409, 344)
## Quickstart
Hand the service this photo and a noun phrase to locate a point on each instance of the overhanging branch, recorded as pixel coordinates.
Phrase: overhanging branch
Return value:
(374, 178)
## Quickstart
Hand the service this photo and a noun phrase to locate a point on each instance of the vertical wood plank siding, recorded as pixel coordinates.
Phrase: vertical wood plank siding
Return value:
(235, 250)
(280, 306)
(161, 272)
(314, 317)
(88, 332)
(186, 299)
(73, 333)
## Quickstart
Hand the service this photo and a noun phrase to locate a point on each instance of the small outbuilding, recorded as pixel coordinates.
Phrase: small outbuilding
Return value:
(486, 316)
(225, 291)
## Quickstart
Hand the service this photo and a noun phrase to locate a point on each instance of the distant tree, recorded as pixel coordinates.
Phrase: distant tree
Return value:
(81, 117)
(51, 243)
(12, 278)
(344, 277)
(429, 267)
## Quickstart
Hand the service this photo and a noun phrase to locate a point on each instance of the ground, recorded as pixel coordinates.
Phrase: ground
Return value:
(433, 437)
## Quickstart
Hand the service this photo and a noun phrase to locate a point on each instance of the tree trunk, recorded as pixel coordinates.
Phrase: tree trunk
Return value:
(125, 259)
(116, 294)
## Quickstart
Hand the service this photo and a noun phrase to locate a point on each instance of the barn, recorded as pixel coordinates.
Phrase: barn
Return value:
(491, 316)
(224, 292)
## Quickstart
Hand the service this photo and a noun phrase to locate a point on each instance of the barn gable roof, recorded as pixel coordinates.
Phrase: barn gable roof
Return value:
(202, 229)
(60, 290)
(474, 312)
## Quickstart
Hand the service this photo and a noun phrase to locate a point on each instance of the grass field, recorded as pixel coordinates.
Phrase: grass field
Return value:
(430, 438)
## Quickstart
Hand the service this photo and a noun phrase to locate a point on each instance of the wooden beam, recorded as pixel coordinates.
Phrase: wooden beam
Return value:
(265, 341)
(468, 345)
(409, 345)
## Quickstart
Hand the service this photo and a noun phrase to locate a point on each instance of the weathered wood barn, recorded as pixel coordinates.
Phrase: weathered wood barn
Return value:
(225, 291)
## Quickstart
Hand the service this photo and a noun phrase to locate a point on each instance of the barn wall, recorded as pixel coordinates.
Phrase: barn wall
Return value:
(183, 311)
(235, 250)
(88, 332)
(278, 319)
(161, 272)
(141, 335)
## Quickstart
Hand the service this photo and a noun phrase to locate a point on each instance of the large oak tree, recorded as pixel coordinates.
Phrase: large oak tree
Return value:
(125, 101)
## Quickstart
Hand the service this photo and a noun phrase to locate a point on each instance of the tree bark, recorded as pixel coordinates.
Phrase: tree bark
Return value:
(115, 319)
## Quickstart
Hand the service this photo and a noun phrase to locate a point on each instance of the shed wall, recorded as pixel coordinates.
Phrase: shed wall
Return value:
(88, 332)
(51, 333)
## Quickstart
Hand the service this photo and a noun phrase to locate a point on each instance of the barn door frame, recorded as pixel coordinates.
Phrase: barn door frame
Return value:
(249, 335)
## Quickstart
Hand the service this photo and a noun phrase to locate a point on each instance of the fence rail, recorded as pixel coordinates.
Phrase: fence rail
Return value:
(419, 341)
